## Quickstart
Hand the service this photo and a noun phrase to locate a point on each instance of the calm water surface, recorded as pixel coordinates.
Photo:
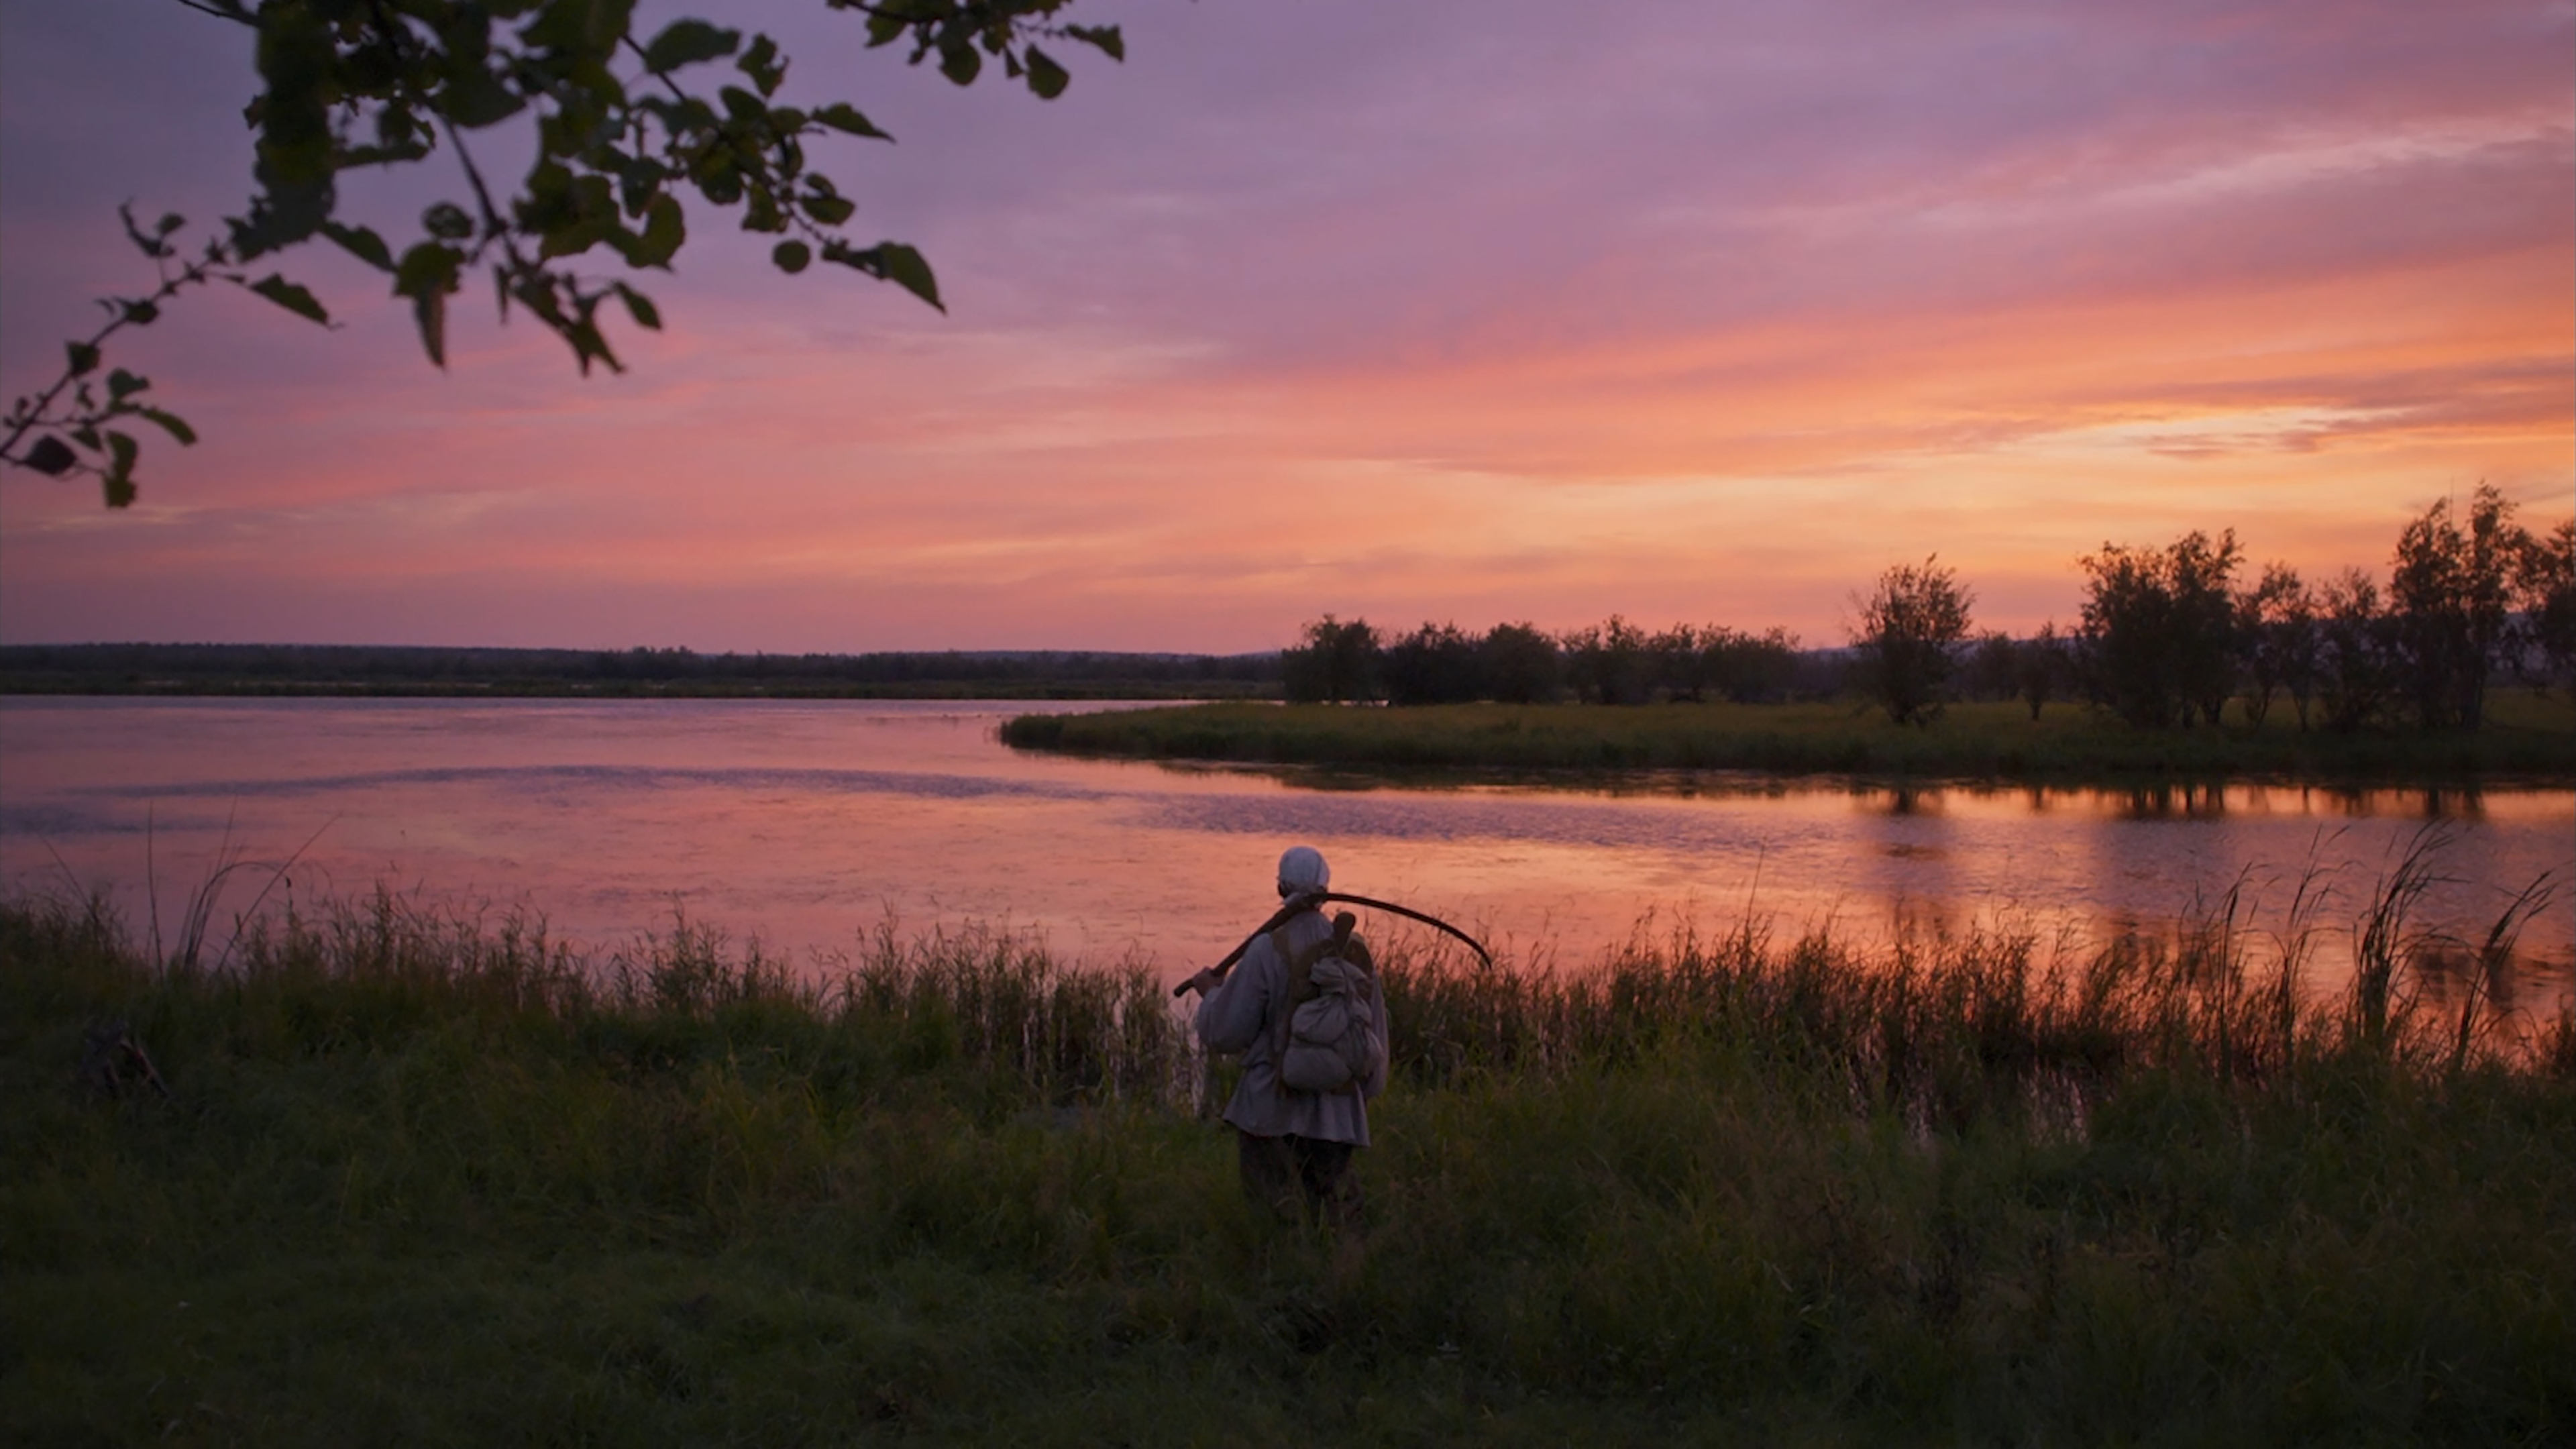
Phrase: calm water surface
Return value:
(810, 823)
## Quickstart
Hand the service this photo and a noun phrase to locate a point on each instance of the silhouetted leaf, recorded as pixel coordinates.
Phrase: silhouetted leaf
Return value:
(427, 267)
(477, 98)
(589, 214)
(1046, 78)
(640, 307)
(663, 232)
(639, 180)
(293, 298)
(791, 256)
(51, 456)
(122, 384)
(842, 116)
(170, 423)
(429, 309)
(1103, 38)
(84, 358)
(901, 265)
(577, 25)
(122, 451)
(762, 64)
(361, 243)
(447, 221)
(687, 42)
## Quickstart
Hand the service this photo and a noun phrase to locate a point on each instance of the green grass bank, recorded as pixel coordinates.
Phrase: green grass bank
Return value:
(2528, 737)
(423, 1180)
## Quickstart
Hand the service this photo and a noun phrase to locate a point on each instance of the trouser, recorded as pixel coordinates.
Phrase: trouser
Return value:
(1294, 1176)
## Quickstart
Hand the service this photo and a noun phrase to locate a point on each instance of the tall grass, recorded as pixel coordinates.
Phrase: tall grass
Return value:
(1950, 1027)
(387, 967)
(433, 1177)
(1946, 1026)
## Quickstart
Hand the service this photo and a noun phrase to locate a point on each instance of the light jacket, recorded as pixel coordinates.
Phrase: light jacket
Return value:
(1237, 1017)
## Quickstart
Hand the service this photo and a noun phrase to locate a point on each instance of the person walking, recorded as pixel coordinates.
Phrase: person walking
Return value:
(1295, 1146)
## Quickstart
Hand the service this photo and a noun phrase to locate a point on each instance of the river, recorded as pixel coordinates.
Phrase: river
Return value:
(810, 824)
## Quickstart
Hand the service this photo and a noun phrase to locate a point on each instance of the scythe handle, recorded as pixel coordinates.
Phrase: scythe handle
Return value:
(1308, 901)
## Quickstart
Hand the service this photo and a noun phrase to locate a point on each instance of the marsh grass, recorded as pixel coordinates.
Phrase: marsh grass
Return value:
(434, 1177)
(2530, 737)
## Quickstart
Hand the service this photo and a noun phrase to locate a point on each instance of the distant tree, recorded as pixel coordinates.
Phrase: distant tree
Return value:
(2294, 642)
(1993, 666)
(2160, 629)
(2205, 611)
(1520, 664)
(1750, 668)
(2357, 653)
(1607, 664)
(2042, 668)
(1435, 664)
(2127, 636)
(1907, 638)
(1674, 664)
(1338, 663)
(2545, 590)
(2269, 619)
(2452, 595)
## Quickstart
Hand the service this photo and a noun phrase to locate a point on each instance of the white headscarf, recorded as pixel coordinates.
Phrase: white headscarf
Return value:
(1302, 869)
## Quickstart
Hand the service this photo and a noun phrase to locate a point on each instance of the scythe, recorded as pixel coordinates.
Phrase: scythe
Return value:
(1307, 900)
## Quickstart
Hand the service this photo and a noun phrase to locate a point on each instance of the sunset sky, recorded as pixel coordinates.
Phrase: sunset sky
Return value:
(1472, 310)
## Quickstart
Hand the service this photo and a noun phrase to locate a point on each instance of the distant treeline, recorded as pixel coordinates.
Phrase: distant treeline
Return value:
(1614, 662)
(2170, 636)
(2189, 634)
(413, 670)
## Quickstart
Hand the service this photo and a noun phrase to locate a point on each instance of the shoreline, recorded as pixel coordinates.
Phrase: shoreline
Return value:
(1993, 743)
(513, 689)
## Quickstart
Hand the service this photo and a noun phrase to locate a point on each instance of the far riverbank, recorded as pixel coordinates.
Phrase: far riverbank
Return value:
(2529, 738)
(361, 671)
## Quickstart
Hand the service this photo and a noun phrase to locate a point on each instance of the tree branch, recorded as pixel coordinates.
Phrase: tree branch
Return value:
(32, 413)
(220, 13)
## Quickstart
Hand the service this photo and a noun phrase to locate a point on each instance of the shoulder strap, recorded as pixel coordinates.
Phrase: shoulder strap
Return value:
(1297, 983)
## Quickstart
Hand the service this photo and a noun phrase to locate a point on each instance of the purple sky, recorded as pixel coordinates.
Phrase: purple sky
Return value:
(1478, 311)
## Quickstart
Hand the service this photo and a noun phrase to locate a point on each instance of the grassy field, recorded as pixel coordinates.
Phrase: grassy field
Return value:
(2528, 737)
(424, 1181)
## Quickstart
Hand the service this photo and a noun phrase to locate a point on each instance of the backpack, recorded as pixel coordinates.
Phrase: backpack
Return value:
(1332, 1036)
